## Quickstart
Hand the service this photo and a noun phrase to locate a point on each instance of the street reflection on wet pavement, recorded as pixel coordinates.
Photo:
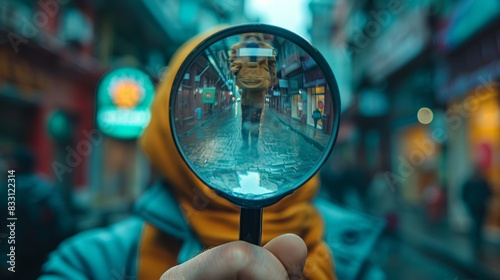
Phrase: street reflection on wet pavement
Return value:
(217, 151)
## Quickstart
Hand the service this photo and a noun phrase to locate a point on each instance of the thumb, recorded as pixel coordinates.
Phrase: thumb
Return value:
(234, 260)
(291, 250)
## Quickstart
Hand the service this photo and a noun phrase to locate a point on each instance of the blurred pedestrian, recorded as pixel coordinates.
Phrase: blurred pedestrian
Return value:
(40, 214)
(331, 180)
(356, 180)
(435, 203)
(316, 115)
(476, 193)
(179, 217)
(382, 201)
(254, 73)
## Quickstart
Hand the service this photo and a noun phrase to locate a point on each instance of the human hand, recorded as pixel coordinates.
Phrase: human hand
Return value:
(282, 258)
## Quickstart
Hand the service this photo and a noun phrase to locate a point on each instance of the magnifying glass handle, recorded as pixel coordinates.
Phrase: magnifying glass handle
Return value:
(251, 225)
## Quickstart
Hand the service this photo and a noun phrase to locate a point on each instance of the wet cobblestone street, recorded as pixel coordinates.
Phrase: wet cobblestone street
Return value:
(282, 154)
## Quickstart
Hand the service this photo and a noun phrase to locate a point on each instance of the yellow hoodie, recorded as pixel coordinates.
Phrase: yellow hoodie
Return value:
(218, 222)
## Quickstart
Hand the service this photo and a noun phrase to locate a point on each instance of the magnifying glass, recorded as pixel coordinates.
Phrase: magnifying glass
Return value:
(242, 107)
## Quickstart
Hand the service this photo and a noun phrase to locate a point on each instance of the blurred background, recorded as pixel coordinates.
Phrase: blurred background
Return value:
(418, 148)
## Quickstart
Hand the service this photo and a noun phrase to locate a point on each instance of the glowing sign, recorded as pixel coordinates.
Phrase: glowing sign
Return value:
(208, 95)
(124, 97)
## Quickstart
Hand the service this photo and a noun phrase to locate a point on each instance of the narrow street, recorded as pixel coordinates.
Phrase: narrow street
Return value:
(281, 156)
(400, 260)
(403, 245)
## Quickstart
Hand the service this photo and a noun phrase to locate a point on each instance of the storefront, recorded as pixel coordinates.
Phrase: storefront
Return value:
(484, 146)
(315, 83)
(397, 82)
(416, 162)
(297, 105)
(473, 130)
(298, 96)
(316, 97)
(20, 97)
(292, 93)
(415, 155)
(470, 91)
(30, 93)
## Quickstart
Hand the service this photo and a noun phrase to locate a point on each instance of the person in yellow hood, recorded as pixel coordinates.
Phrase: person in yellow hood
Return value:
(182, 230)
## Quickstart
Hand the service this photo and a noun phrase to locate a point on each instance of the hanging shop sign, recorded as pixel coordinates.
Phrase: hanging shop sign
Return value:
(479, 72)
(373, 103)
(307, 62)
(208, 95)
(399, 44)
(283, 83)
(292, 63)
(124, 97)
(466, 19)
(319, 89)
(295, 84)
(314, 77)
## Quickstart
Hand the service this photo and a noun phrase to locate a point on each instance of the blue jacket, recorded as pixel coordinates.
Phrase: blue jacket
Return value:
(112, 252)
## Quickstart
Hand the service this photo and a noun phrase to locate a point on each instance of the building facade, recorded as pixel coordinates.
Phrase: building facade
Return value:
(53, 56)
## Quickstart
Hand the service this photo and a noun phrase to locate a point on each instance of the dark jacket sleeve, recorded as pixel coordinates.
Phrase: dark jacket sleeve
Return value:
(108, 253)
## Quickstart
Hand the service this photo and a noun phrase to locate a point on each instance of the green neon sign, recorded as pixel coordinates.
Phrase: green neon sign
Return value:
(208, 95)
(124, 97)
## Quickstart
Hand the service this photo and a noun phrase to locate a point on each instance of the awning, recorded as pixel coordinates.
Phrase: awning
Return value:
(313, 77)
